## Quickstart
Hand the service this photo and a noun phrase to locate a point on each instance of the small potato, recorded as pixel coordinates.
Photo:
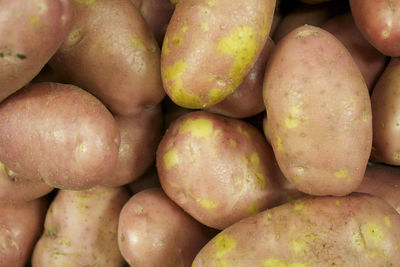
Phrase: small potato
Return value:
(210, 46)
(379, 22)
(319, 113)
(30, 33)
(219, 170)
(111, 53)
(59, 134)
(20, 227)
(154, 231)
(356, 230)
(140, 135)
(385, 102)
(81, 229)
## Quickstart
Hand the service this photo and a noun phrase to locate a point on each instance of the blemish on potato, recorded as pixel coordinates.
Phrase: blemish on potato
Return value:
(388, 222)
(385, 34)
(64, 242)
(299, 206)
(74, 37)
(170, 159)
(298, 245)
(340, 173)
(205, 27)
(137, 43)
(260, 180)
(396, 156)
(243, 132)
(372, 232)
(232, 142)
(210, 3)
(177, 40)
(272, 262)
(306, 33)
(252, 209)
(337, 203)
(34, 20)
(165, 46)
(207, 203)
(86, 2)
(293, 120)
(279, 143)
(83, 147)
(224, 244)
(254, 158)
(200, 128)
(216, 95)
(122, 238)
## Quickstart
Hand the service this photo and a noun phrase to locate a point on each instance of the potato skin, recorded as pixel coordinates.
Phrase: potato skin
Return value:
(356, 230)
(318, 111)
(212, 31)
(154, 231)
(219, 170)
(59, 134)
(379, 22)
(21, 226)
(111, 42)
(81, 229)
(30, 33)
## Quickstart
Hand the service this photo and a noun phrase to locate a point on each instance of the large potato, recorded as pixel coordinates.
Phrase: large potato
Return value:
(385, 101)
(81, 229)
(319, 113)
(154, 231)
(210, 46)
(59, 134)
(379, 22)
(219, 170)
(356, 230)
(30, 33)
(20, 227)
(111, 52)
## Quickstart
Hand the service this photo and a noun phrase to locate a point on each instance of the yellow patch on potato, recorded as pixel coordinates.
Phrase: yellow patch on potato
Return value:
(252, 209)
(34, 20)
(254, 158)
(299, 206)
(205, 27)
(272, 262)
(177, 40)
(293, 121)
(137, 43)
(86, 2)
(337, 203)
(165, 46)
(260, 180)
(232, 142)
(305, 33)
(243, 132)
(279, 143)
(200, 128)
(388, 222)
(340, 173)
(372, 232)
(298, 245)
(170, 159)
(223, 244)
(216, 95)
(207, 203)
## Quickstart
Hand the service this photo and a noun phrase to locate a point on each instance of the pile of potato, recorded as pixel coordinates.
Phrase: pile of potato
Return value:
(203, 133)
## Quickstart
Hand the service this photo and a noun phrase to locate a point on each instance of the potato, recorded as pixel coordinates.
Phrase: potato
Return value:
(16, 189)
(379, 22)
(217, 32)
(385, 102)
(219, 170)
(356, 230)
(81, 229)
(154, 231)
(369, 60)
(247, 99)
(30, 33)
(384, 182)
(319, 113)
(148, 180)
(20, 227)
(111, 52)
(140, 136)
(58, 134)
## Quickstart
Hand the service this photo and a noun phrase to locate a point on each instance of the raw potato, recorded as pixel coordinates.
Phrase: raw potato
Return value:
(59, 134)
(215, 44)
(369, 60)
(111, 53)
(20, 227)
(379, 22)
(154, 231)
(385, 101)
(30, 33)
(356, 230)
(81, 229)
(140, 136)
(219, 170)
(319, 113)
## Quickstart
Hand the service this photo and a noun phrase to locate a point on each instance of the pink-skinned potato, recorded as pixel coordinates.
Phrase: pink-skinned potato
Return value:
(148, 180)
(111, 52)
(81, 229)
(219, 170)
(20, 227)
(246, 100)
(214, 43)
(354, 230)
(318, 110)
(379, 23)
(30, 34)
(140, 135)
(154, 231)
(369, 60)
(59, 134)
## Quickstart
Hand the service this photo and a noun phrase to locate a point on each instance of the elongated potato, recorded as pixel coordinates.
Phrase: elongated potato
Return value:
(219, 170)
(356, 230)
(30, 33)
(319, 113)
(154, 231)
(111, 53)
(59, 134)
(81, 229)
(215, 44)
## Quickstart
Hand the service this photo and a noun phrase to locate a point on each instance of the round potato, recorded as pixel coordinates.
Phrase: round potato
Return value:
(154, 231)
(81, 229)
(59, 134)
(319, 113)
(111, 53)
(212, 31)
(30, 33)
(219, 170)
(356, 230)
